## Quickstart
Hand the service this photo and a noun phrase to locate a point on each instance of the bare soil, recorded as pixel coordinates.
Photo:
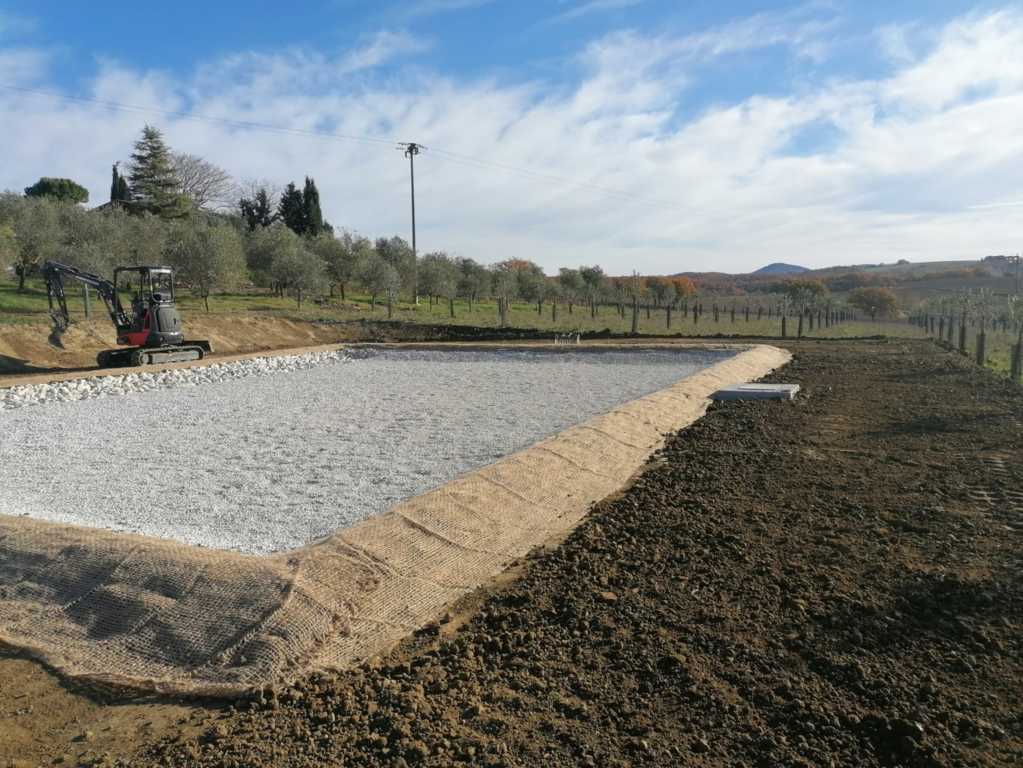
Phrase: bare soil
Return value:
(832, 581)
(30, 348)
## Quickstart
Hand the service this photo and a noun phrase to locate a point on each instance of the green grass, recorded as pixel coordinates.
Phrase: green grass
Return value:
(31, 306)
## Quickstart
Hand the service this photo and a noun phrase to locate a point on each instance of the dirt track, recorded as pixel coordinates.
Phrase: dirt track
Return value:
(835, 581)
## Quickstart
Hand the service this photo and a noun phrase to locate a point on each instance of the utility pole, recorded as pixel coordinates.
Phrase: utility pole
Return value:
(411, 149)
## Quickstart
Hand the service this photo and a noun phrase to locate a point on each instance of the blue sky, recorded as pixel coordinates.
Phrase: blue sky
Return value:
(647, 134)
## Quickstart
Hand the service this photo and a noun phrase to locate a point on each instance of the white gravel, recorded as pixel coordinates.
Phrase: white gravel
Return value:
(229, 457)
(111, 386)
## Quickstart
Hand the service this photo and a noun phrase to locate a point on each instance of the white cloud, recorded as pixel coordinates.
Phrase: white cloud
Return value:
(23, 66)
(975, 56)
(893, 39)
(433, 7)
(384, 47)
(905, 166)
(593, 6)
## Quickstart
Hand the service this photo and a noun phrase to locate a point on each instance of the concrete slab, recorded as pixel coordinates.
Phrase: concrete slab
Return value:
(757, 392)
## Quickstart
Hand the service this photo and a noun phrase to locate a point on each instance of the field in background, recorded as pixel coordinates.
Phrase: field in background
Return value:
(31, 307)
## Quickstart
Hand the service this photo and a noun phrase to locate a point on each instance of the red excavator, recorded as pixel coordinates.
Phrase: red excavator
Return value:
(152, 330)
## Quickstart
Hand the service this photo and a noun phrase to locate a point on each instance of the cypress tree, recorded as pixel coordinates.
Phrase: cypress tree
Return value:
(119, 191)
(258, 212)
(311, 205)
(291, 209)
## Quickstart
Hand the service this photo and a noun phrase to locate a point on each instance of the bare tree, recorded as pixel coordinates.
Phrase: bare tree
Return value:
(207, 185)
(249, 188)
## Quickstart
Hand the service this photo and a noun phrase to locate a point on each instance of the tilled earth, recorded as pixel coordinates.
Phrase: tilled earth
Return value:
(832, 581)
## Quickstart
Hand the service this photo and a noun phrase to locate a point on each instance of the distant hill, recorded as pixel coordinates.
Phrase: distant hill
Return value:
(779, 268)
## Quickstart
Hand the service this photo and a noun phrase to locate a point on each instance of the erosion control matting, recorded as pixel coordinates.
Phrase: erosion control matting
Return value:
(833, 581)
(151, 613)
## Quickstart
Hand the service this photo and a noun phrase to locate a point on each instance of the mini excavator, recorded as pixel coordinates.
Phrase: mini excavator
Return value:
(153, 327)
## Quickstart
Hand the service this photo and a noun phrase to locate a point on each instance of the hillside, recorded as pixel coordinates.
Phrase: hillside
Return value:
(780, 268)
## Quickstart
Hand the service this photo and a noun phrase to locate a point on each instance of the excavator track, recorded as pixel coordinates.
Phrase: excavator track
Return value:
(139, 356)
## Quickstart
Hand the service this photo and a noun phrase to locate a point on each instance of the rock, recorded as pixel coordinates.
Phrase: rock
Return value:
(608, 597)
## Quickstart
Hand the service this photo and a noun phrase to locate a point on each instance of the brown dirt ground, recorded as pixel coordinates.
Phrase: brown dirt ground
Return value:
(29, 349)
(833, 581)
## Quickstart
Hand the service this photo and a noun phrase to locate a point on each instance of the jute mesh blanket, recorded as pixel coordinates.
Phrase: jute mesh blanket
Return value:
(156, 615)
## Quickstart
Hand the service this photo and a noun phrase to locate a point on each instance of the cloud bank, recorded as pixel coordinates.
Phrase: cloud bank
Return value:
(605, 165)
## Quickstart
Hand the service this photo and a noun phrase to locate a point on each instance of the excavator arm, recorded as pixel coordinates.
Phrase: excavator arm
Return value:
(54, 273)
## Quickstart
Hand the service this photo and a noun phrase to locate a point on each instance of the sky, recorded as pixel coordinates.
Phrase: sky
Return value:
(655, 136)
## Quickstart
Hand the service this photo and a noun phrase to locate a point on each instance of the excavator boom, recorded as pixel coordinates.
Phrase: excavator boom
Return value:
(54, 273)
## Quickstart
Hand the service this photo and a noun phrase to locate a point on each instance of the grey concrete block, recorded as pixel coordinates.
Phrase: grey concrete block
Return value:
(757, 392)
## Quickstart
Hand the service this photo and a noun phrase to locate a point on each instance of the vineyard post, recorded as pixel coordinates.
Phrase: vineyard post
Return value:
(1017, 357)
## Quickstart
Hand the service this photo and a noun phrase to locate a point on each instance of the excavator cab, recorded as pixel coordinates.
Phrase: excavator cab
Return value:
(154, 320)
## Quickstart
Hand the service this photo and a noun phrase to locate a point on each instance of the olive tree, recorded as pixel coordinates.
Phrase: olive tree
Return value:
(398, 253)
(262, 246)
(207, 257)
(573, 288)
(299, 271)
(473, 280)
(378, 276)
(93, 241)
(36, 235)
(147, 238)
(594, 280)
(504, 282)
(438, 276)
(342, 257)
(7, 246)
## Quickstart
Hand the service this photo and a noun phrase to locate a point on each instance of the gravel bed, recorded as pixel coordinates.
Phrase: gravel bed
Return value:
(229, 457)
(111, 386)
